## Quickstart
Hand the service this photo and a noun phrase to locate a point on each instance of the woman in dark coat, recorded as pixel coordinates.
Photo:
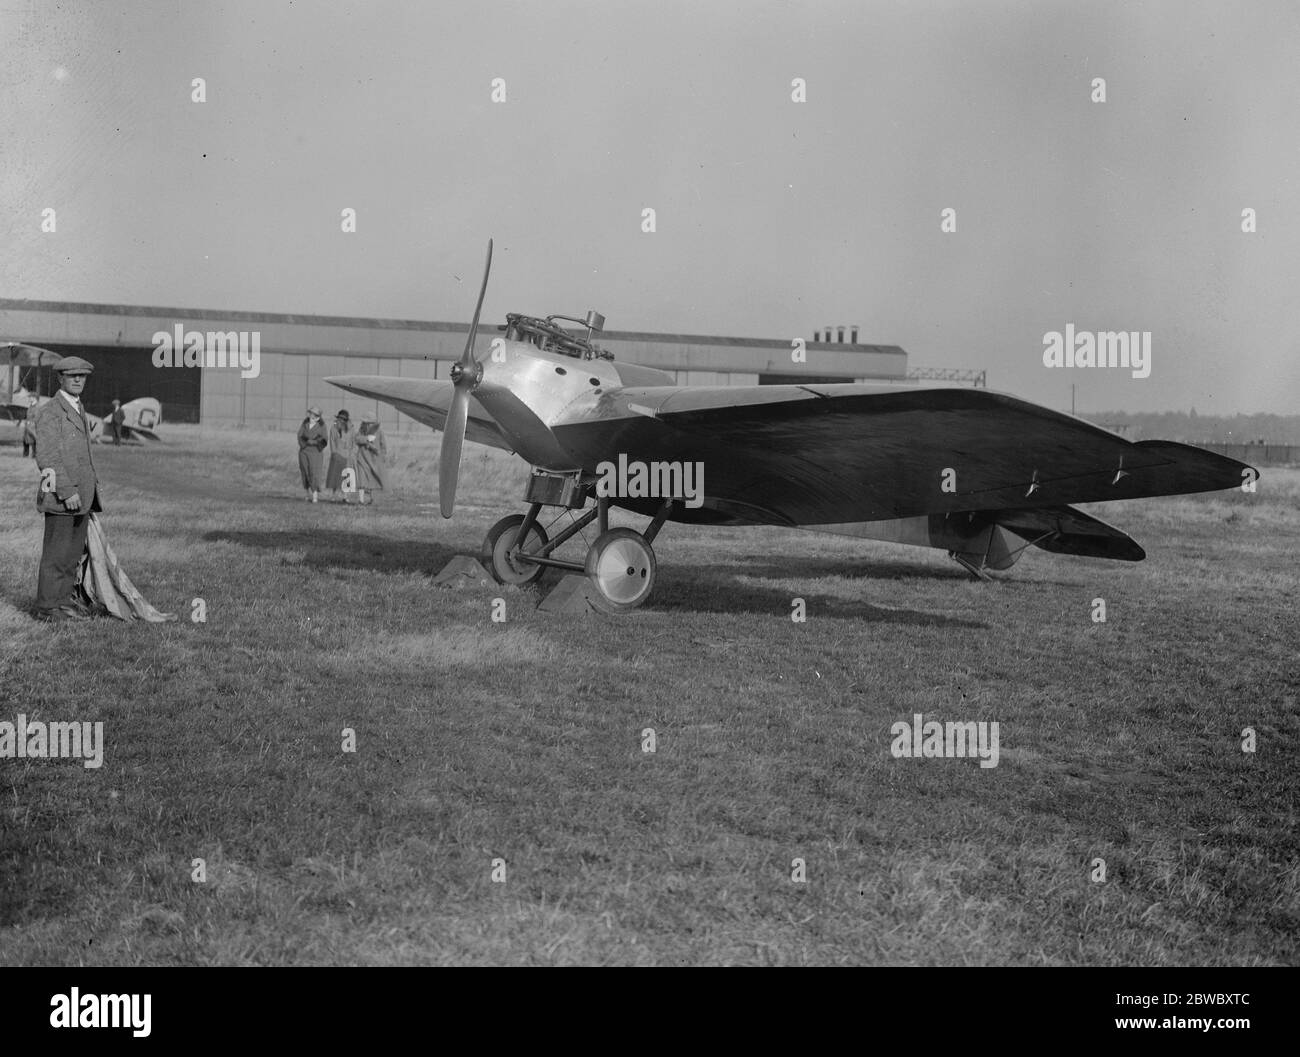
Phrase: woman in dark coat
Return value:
(372, 453)
(312, 439)
(342, 447)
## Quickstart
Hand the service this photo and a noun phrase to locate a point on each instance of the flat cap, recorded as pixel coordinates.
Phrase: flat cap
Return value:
(74, 365)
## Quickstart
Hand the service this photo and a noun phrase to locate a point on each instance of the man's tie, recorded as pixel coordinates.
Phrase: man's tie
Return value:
(85, 432)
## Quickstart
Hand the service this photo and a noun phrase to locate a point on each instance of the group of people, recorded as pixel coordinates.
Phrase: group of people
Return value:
(357, 457)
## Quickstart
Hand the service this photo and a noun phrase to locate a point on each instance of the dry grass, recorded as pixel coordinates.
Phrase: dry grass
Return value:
(522, 741)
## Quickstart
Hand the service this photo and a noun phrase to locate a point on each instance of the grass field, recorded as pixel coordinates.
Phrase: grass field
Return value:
(522, 741)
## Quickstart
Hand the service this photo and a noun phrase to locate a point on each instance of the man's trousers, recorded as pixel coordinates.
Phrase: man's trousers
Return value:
(65, 541)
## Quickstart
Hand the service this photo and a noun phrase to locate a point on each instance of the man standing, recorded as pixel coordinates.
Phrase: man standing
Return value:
(67, 494)
(116, 419)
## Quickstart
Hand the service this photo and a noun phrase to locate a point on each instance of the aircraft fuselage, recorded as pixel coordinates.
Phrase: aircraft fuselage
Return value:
(528, 391)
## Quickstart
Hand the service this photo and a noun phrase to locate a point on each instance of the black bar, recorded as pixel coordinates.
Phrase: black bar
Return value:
(1042, 1005)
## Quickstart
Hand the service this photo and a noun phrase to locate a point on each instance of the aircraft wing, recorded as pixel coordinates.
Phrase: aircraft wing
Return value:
(19, 407)
(102, 433)
(139, 431)
(836, 454)
(425, 400)
(21, 354)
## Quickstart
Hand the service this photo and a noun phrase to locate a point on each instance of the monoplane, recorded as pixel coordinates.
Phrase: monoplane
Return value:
(980, 474)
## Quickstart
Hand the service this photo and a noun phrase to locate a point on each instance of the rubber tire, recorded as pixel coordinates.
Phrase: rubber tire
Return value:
(498, 541)
(616, 550)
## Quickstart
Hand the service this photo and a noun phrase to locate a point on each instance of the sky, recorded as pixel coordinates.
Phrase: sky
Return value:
(773, 218)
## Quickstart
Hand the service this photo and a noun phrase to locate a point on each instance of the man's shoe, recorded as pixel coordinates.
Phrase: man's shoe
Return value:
(57, 616)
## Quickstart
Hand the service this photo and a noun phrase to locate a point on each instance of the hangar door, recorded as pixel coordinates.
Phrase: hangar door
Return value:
(124, 373)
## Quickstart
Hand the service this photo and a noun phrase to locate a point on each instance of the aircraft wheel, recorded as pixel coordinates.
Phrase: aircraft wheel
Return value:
(498, 543)
(621, 566)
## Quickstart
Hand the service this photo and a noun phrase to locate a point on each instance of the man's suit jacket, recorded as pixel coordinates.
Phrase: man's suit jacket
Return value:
(63, 445)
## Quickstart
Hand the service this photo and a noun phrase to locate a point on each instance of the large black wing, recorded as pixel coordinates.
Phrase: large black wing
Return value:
(818, 454)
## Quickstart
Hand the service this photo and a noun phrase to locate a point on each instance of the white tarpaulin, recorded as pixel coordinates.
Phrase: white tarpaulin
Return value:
(106, 584)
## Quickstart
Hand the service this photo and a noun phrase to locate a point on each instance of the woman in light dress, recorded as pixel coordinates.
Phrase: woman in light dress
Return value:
(371, 454)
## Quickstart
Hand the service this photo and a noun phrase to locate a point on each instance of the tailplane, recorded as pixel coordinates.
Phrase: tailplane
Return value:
(986, 540)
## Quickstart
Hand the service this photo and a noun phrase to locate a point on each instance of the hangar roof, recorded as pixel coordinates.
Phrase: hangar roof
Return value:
(168, 315)
(100, 326)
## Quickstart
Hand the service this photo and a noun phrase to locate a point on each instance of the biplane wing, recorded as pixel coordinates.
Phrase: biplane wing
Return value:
(20, 368)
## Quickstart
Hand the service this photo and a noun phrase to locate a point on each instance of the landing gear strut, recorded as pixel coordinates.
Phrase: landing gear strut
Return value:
(620, 565)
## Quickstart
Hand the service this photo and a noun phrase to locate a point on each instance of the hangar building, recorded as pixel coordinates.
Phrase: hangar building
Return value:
(297, 353)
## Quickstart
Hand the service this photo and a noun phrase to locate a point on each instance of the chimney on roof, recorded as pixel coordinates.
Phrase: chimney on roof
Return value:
(841, 335)
(854, 337)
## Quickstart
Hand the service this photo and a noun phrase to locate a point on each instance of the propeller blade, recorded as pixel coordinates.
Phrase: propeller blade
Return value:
(466, 374)
(467, 357)
(453, 438)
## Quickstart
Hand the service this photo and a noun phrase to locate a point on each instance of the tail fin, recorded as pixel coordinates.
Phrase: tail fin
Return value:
(992, 539)
(1064, 530)
(988, 540)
